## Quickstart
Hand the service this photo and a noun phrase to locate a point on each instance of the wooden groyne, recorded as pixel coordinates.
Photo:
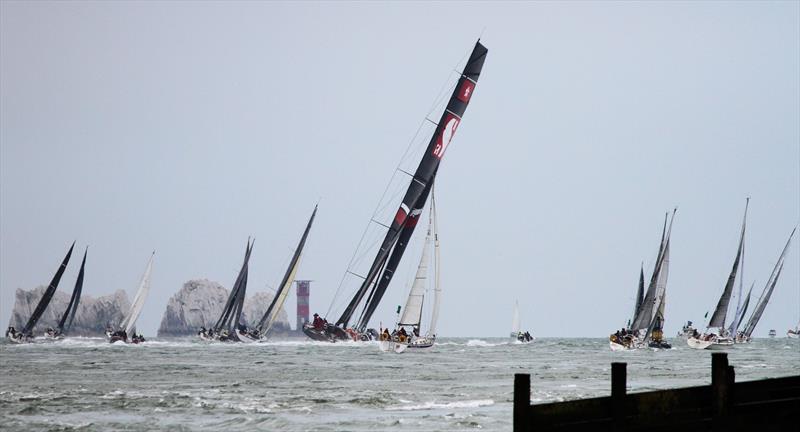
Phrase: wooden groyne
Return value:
(725, 405)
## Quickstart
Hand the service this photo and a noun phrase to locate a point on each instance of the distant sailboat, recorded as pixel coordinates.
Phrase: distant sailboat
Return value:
(646, 328)
(129, 322)
(261, 330)
(794, 333)
(65, 323)
(411, 318)
(717, 335)
(227, 327)
(399, 230)
(26, 334)
(747, 332)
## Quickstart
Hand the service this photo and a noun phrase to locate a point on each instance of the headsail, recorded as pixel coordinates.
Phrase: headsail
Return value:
(391, 250)
(515, 319)
(69, 314)
(737, 321)
(767, 293)
(412, 312)
(288, 279)
(718, 317)
(639, 293)
(138, 301)
(48, 294)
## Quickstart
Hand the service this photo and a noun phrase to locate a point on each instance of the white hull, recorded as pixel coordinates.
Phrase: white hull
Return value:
(246, 338)
(714, 344)
(392, 346)
(792, 334)
(618, 347)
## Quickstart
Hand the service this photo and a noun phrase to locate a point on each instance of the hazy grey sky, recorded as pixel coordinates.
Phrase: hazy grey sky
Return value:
(185, 127)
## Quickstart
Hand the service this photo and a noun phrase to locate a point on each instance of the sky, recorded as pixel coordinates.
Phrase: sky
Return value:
(186, 127)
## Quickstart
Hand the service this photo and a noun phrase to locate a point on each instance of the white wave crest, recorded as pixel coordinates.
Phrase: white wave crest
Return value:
(436, 405)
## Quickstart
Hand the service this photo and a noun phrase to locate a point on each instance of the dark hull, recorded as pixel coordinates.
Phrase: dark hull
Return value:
(318, 335)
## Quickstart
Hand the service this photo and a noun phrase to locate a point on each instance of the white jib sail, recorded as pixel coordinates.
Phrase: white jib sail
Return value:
(412, 312)
(515, 319)
(138, 300)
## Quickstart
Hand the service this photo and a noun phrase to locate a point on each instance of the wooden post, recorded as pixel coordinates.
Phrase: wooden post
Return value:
(720, 391)
(618, 390)
(522, 402)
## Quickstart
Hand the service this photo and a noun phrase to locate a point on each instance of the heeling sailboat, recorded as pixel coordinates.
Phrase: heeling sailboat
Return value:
(128, 324)
(26, 334)
(261, 330)
(65, 323)
(746, 334)
(717, 335)
(227, 326)
(646, 328)
(390, 252)
(411, 318)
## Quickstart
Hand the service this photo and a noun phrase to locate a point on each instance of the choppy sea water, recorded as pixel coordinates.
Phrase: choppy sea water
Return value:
(461, 384)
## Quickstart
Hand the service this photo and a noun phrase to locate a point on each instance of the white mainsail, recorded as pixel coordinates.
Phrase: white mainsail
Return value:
(138, 301)
(515, 320)
(284, 292)
(412, 312)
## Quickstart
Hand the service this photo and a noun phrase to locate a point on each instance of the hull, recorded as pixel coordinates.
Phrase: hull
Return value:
(793, 334)
(714, 343)
(18, 339)
(317, 334)
(422, 343)
(114, 339)
(245, 337)
(618, 347)
(392, 346)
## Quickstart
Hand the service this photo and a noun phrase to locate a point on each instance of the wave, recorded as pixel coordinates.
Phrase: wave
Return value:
(436, 405)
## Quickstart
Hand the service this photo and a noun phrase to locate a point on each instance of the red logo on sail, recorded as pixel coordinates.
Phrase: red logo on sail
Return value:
(465, 92)
(448, 130)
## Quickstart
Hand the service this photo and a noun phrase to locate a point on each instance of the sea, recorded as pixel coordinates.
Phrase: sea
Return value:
(461, 384)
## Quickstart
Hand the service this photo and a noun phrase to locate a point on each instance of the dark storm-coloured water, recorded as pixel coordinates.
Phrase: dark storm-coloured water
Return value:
(462, 384)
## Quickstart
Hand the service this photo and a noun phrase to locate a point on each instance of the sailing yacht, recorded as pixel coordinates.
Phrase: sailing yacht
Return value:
(717, 336)
(794, 333)
(745, 335)
(228, 326)
(407, 331)
(646, 329)
(376, 280)
(516, 333)
(261, 330)
(26, 334)
(128, 325)
(65, 323)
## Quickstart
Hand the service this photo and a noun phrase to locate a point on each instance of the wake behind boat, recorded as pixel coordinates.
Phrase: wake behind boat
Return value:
(128, 325)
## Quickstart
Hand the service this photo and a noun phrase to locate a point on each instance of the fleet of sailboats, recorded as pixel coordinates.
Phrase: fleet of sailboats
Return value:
(229, 325)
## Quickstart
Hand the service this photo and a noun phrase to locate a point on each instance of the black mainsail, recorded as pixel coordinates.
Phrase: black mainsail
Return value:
(718, 317)
(47, 296)
(644, 313)
(639, 295)
(65, 323)
(275, 306)
(232, 306)
(394, 243)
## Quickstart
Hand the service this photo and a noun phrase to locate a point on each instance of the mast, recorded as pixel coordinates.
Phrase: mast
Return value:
(437, 269)
(138, 301)
(515, 319)
(718, 318)
(768, 288)
(405, 220)
(69, 314)
(288, 279)
(657, 319)
(48, 294)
